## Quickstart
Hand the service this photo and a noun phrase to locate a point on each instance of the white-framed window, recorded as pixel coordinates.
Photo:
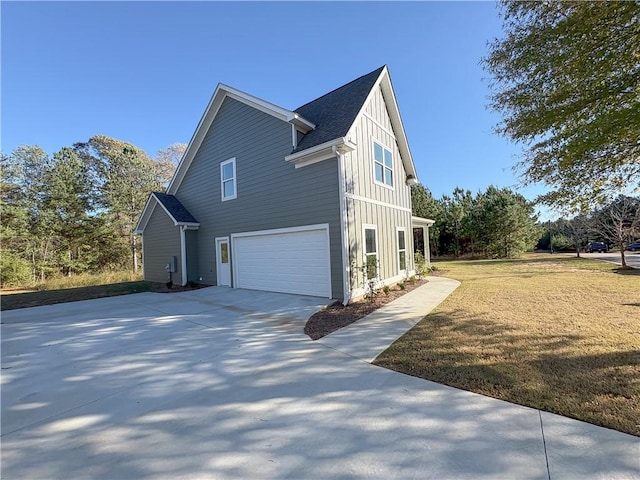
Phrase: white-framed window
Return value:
(228, 187)
(370, 250)
(402, 249)
(382, 165)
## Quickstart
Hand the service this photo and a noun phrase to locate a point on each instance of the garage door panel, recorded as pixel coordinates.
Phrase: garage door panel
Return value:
(295, 262)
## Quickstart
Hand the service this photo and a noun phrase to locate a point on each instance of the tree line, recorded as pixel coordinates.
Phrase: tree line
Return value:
(496, 223)
(616, 223)
(76, 211)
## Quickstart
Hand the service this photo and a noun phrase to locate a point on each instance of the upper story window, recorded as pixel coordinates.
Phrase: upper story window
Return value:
(382, 165)
(228, 179)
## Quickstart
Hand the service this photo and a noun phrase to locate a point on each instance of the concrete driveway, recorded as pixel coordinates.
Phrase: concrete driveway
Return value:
(222, 383)
(632, 258)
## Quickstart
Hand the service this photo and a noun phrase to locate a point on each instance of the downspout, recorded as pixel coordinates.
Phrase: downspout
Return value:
(183, 255)
(344, 228)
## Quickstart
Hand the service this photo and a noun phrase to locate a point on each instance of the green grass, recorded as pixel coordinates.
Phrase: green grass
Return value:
(552, 332)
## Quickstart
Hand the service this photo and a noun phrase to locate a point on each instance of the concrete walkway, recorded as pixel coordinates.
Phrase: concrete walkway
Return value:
(372, 335)
(222, 383)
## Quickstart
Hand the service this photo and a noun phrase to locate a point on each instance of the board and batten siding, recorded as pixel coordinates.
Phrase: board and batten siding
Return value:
(371, 203)
(161, 242)
(271, 193)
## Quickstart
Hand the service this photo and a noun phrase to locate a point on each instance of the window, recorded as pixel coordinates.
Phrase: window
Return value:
(228, 179)
(402, 251)
(382, 165)
(371, 251)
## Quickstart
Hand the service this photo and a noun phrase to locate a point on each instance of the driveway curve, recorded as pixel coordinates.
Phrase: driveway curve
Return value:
(222, 383)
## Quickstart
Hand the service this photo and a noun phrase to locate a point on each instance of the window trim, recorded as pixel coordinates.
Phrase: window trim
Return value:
(375, 141)
(365, 227)
(398, 249)
(231, 161)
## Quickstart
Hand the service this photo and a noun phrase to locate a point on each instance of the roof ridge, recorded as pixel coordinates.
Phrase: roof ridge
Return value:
(377, 70)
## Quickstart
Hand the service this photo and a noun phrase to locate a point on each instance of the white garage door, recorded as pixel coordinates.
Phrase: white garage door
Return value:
(285, 260)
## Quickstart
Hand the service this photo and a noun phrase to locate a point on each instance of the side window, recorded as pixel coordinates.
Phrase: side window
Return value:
(382, 165)
(228, 185)
(371, 250)
(402, 251)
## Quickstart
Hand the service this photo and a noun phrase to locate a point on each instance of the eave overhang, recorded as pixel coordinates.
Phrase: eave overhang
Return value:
(321, 152)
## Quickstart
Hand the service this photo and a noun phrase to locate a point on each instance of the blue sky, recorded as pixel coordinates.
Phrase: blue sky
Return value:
(144, 72)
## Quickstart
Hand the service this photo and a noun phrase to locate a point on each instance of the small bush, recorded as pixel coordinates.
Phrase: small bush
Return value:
(386, 289)
(412, 279)
(402, 285)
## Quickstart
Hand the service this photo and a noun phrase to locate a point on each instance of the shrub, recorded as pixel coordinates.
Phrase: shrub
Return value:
(14, 270)
(386, 289)
(401, 285)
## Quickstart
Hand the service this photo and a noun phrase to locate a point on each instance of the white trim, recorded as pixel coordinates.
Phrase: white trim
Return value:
(147, 214)
(374, 140)
(419, 221)
(183, 255)
(344, 230)
(406, 260)
(320, 152)
(211, 111)
(376, 202)
(218, 262)
(231, 161)
(277, 231)
(379, 125)
(384, 83)
(365, 227)
(359, 292)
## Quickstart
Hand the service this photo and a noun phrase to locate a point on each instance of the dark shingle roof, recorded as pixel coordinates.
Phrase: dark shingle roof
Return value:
(175, 208)
(334, 113)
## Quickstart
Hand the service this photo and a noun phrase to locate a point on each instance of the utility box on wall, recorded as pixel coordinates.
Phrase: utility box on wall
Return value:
(172, 266)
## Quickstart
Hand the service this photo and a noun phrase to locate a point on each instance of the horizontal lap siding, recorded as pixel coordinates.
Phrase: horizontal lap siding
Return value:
(395, 211)
(161, 242)
(271, 192)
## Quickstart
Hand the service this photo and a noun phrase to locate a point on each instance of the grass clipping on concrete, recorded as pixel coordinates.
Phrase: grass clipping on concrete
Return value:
(556, 333)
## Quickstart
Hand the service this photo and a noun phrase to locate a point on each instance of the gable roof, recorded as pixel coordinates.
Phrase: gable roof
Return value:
(172, 207)
(335, 112)
(347, 104)
(327, 121)
(219, 95)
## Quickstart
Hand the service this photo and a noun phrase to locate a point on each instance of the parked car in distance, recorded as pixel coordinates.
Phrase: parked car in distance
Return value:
(596, 247)
(632, 247)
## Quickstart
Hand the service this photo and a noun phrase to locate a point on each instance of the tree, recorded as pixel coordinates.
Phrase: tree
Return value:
(167, 161)
(566, 78)
(505, 223)
(69, 198)
(26, 223)
(125, 178)
(424, 205)
(618, 220)
(455, 227)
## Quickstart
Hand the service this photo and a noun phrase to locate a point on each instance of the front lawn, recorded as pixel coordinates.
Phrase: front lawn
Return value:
(549, 331)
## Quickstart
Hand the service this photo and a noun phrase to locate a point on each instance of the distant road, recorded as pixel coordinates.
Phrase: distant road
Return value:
(632, 258)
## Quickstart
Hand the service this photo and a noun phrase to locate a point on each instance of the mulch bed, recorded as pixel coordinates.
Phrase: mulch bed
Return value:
(337, 316)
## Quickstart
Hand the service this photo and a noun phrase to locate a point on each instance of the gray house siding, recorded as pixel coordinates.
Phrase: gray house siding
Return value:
(161, 242)
(191, 241)
(374, 204)
(271, 193)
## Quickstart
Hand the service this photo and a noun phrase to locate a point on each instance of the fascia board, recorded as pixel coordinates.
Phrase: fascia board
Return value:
(384, 82)
(319, 150)
(221, 92)
(147, 211)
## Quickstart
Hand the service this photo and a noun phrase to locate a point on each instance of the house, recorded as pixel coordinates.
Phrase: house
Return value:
(310, 201)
